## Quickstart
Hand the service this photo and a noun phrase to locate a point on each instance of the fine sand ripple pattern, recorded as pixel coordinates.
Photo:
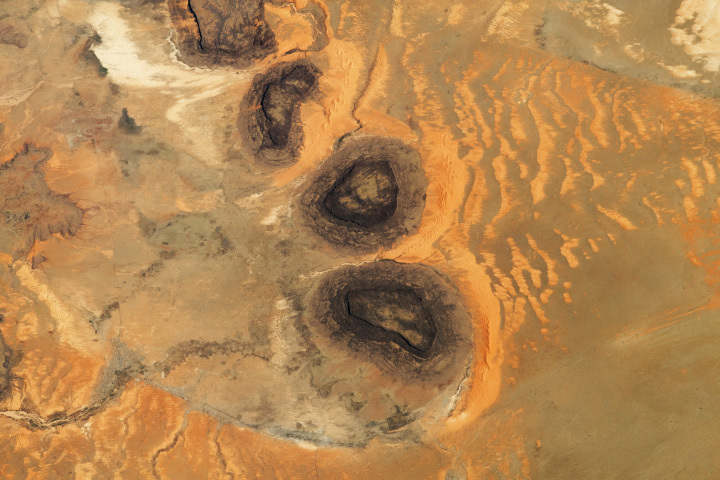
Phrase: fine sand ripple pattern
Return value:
(292, 239)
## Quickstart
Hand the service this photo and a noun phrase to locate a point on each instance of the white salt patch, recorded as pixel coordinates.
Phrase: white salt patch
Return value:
(680, 71)
(119, 54)
(613, 16)
(179, 86)
(635, 51)
(128, 65)
(697, 29)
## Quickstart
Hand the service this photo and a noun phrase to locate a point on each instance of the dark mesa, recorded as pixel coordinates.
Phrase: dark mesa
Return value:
(408, 319)
(366, 195)
(273, 126)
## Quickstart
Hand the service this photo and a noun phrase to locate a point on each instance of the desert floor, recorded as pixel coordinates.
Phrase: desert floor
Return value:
(345, 239)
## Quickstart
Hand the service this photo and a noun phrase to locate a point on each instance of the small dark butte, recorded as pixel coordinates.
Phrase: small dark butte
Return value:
(271, 119)
(396, 421)
(369, 193)
(406, 319)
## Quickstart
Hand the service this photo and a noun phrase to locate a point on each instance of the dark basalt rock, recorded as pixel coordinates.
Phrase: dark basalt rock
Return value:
(127, 124)
(407, 319)
(273, 125)
(221, 32)
(398, 315)
(366, 195)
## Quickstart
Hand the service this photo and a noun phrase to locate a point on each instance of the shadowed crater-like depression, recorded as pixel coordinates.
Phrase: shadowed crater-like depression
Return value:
(396, 315)
(407, 319)
(272, 115)
(367, 194)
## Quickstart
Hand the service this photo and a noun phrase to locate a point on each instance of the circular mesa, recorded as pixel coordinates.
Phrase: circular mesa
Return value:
(366, 195)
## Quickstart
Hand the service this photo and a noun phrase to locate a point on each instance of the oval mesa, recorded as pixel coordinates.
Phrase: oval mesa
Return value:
(271, 117)
(407, 319)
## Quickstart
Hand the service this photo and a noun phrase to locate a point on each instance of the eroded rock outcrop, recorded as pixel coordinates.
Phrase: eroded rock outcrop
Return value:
(407, 319)
(211, 32)
(271, 120)
(29, 210)
(366, 195)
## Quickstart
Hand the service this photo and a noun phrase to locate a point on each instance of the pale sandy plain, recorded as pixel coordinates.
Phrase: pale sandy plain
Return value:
(156, 279)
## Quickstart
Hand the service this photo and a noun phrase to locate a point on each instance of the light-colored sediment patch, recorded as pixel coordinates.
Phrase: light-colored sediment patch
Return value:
(597, 15)
(697, 30)
(176, 88)
(71, 329)
(507, 22)
(130, 65)
(680, 71)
